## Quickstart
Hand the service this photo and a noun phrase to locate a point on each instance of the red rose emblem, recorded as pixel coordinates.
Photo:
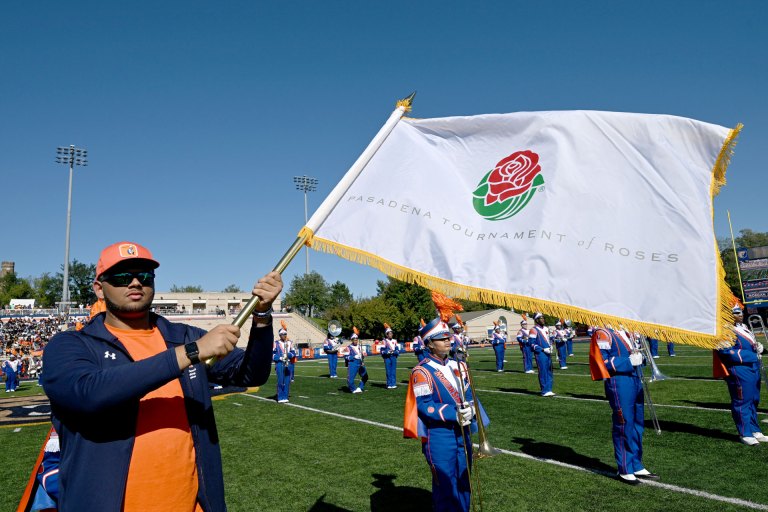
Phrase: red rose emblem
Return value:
(512, 176)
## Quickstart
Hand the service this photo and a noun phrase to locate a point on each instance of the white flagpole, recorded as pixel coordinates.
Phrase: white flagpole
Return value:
(349, 178)
(330, 202)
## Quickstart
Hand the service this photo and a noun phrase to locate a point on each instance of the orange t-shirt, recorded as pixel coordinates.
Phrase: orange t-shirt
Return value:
(162, 475)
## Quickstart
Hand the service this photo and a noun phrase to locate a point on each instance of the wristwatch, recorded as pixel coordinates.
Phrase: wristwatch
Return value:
(261, 315)
(192, 352)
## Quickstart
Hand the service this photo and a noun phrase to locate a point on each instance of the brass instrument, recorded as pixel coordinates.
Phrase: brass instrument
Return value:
(641, 345)
(503, 323)
(484, 447)
(656, 374)
(754, 322)
(334, 329)
(553, 345)
(474, 486)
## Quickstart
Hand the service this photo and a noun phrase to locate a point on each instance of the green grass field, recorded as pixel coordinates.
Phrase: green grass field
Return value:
(329, 450)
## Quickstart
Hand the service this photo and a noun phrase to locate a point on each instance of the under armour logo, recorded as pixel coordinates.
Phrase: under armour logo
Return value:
(108, 354)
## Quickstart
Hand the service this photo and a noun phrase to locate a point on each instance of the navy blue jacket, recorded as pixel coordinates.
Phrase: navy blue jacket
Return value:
(95, 386)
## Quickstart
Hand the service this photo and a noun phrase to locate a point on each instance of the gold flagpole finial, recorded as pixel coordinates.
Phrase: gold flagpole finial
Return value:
(407, 102)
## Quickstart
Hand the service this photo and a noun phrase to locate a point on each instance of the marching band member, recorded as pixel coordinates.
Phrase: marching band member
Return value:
(47, 494)
(356, 364)
(458, 346)
(671, 349)
(282, 352)
(499, 343)
(390, 351)
(331, 348)
(741, 370)
(525, 346)
(570, 333)
(292, 360)
(561, 338)
(437, 412)
(613, 358)
(653, 346)
(418, 347)
(540, 342)
(11, 368)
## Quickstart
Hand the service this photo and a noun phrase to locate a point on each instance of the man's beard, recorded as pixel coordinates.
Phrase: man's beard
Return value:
(133, 308)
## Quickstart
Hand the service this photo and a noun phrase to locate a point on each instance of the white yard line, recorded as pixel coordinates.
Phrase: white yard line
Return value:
(602, 400)
(669, 487)
(561, 397)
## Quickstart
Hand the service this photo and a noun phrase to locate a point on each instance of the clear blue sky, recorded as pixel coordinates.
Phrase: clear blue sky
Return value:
(197, 115)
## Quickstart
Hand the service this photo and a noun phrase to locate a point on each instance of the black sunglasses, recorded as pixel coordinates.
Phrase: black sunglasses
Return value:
(123, 279)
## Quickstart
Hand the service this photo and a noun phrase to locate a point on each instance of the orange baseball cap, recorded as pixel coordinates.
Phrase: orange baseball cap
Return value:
(122, 251)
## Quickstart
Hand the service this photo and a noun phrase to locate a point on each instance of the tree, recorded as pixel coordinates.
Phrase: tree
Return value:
(81, 277)
(338, 295)
(233, 288)
(471, 305)
(308, 293)
(14, 287)
(409, 304)
(196, 288)
(368, 315)
(47, 290)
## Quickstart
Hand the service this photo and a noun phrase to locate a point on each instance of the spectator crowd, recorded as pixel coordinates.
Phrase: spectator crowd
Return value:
(25, 339)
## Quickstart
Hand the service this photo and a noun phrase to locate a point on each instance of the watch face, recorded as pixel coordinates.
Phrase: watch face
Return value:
(192, 351)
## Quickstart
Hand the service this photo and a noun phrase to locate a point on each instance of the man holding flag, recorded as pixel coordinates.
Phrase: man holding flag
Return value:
(130, 394)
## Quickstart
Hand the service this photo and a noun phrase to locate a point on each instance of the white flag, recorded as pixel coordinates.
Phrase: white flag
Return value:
(600, 217)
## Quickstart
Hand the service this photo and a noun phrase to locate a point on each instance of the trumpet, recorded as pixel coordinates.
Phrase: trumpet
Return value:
(755, 322)
(656, 374)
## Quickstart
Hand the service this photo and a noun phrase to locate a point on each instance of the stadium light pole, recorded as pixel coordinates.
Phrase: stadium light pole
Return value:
(72, 156)
(306, 184)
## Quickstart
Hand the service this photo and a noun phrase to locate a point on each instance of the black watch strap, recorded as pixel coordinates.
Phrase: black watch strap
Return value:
(192, 352)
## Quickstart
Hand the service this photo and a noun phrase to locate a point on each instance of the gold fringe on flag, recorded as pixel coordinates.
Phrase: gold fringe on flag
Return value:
(528, 304)
(723, 159)
(727, 299)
